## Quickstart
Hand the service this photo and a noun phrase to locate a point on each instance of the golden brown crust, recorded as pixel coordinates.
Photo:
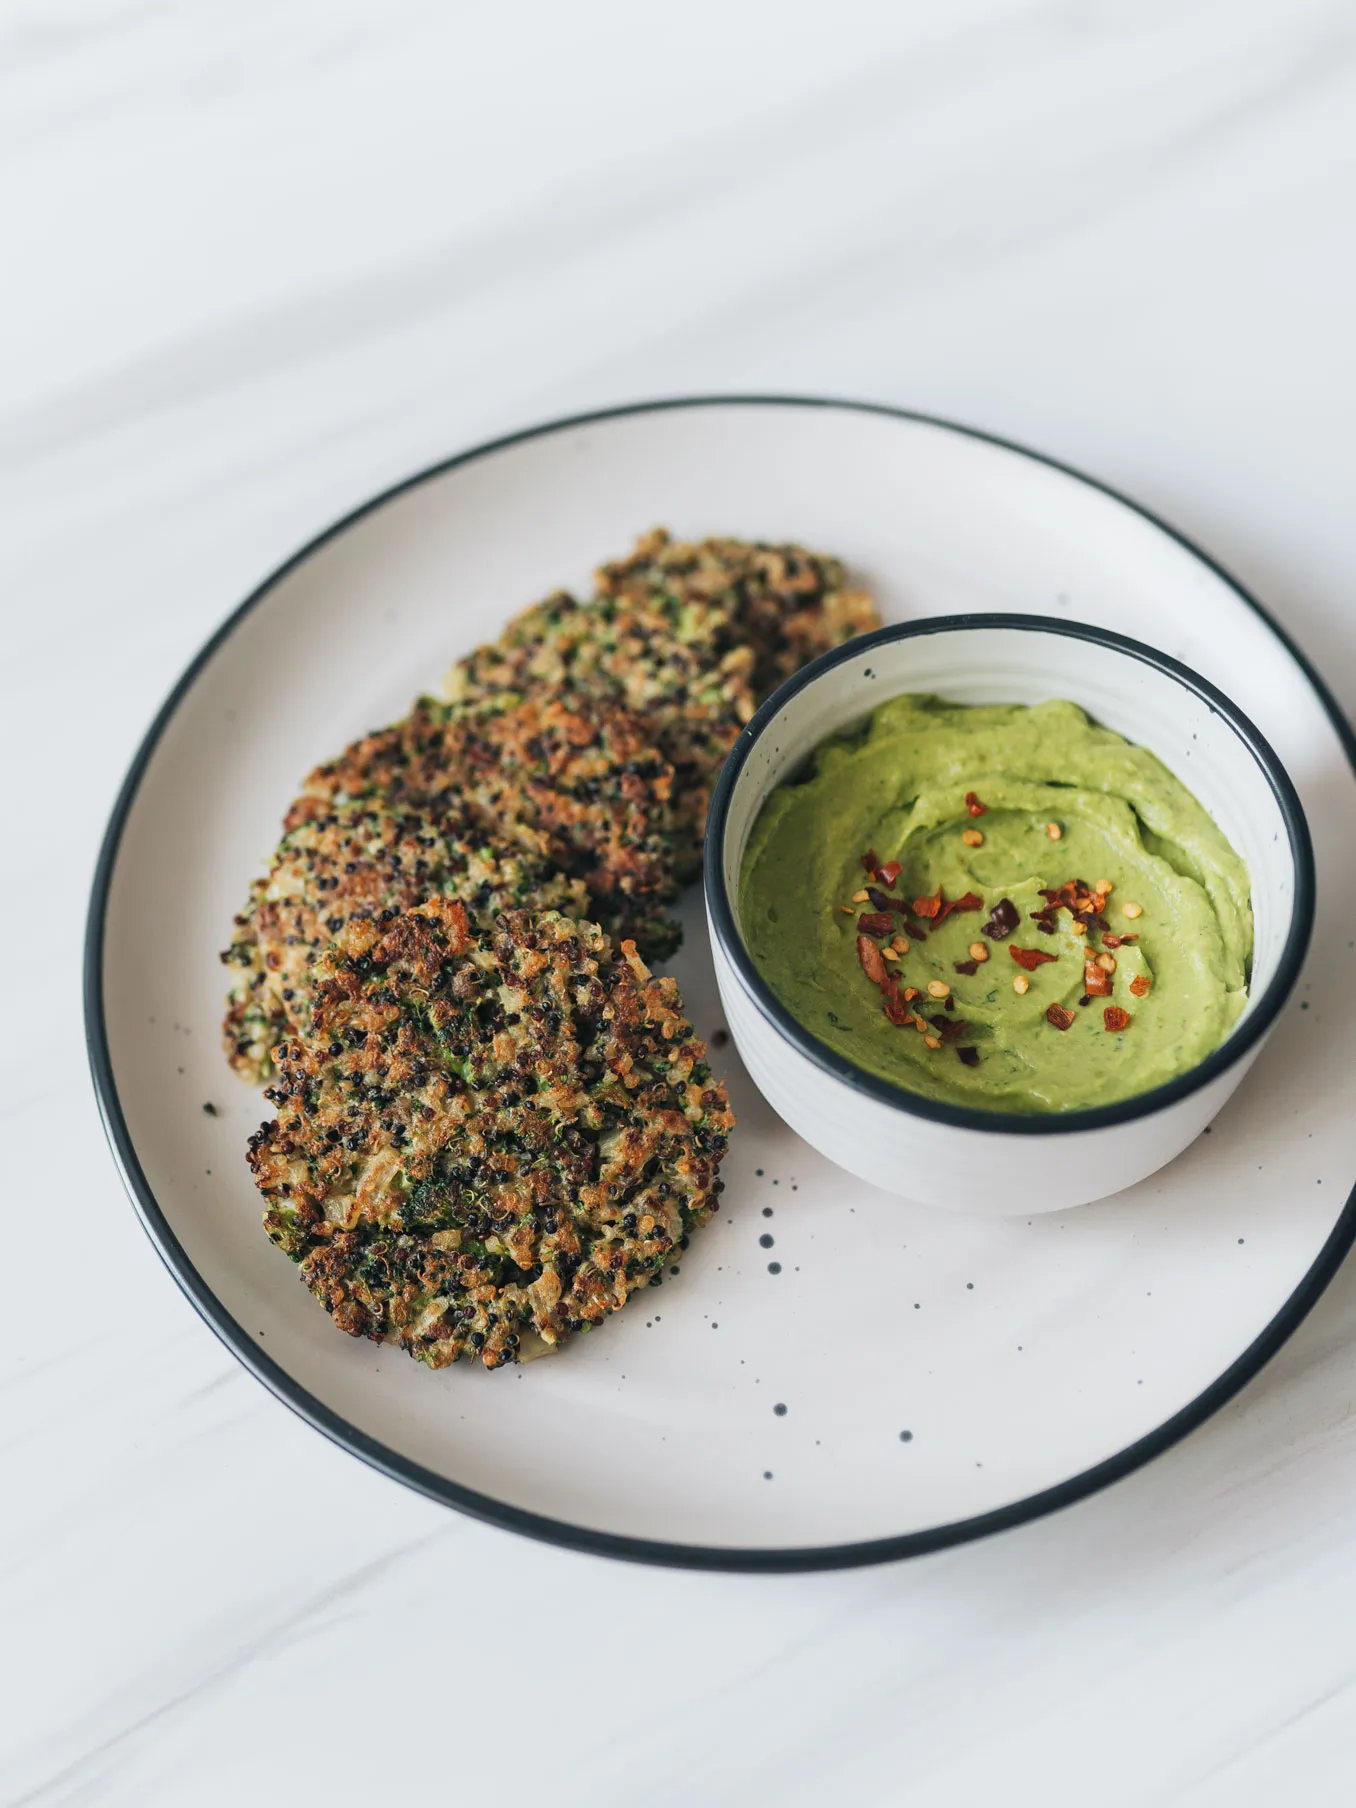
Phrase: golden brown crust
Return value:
(363, 859)
(582, 789)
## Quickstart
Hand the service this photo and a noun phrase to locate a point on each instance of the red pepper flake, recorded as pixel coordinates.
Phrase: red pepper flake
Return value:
(1056, 1014)
(969, 901)
(916, 930)
(878, 926)
(1031, 958)
(869, 860)
(895, 1008)
(888, 873)
(881, 900)
(969, 967)
(1115, 1018)
(870, 957)
(1096, 980)
(1140, 984)
(1074, 895)
(1126, 939)
(970, 1056)
(1112, 941)
(1083, 904)
(937, 909)
(911, 992)
(974, 806)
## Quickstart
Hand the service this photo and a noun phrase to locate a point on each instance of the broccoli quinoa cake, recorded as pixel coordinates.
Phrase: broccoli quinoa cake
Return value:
(784, 604)
(530, 805)
(691, 636)
(582, 789)
(493, 1131)
(362, 859)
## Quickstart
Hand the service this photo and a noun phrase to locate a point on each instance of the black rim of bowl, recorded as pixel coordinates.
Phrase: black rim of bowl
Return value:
(1243, 1037)
(501, 1513)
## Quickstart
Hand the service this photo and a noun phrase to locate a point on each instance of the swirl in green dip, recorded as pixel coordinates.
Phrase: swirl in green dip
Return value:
(899, 788)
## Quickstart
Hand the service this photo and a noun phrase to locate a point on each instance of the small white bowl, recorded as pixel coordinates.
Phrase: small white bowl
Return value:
(957, 1157)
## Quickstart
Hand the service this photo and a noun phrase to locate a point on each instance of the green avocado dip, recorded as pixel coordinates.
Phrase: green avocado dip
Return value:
(998, 906)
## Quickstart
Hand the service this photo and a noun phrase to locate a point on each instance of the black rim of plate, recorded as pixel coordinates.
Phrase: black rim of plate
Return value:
(830, 1061)
(500, 1513)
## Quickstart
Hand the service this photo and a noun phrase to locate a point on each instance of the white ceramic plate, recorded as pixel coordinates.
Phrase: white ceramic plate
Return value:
(835, 1377)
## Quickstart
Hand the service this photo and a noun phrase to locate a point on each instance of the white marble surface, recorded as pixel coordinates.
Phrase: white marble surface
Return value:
(267, 256)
